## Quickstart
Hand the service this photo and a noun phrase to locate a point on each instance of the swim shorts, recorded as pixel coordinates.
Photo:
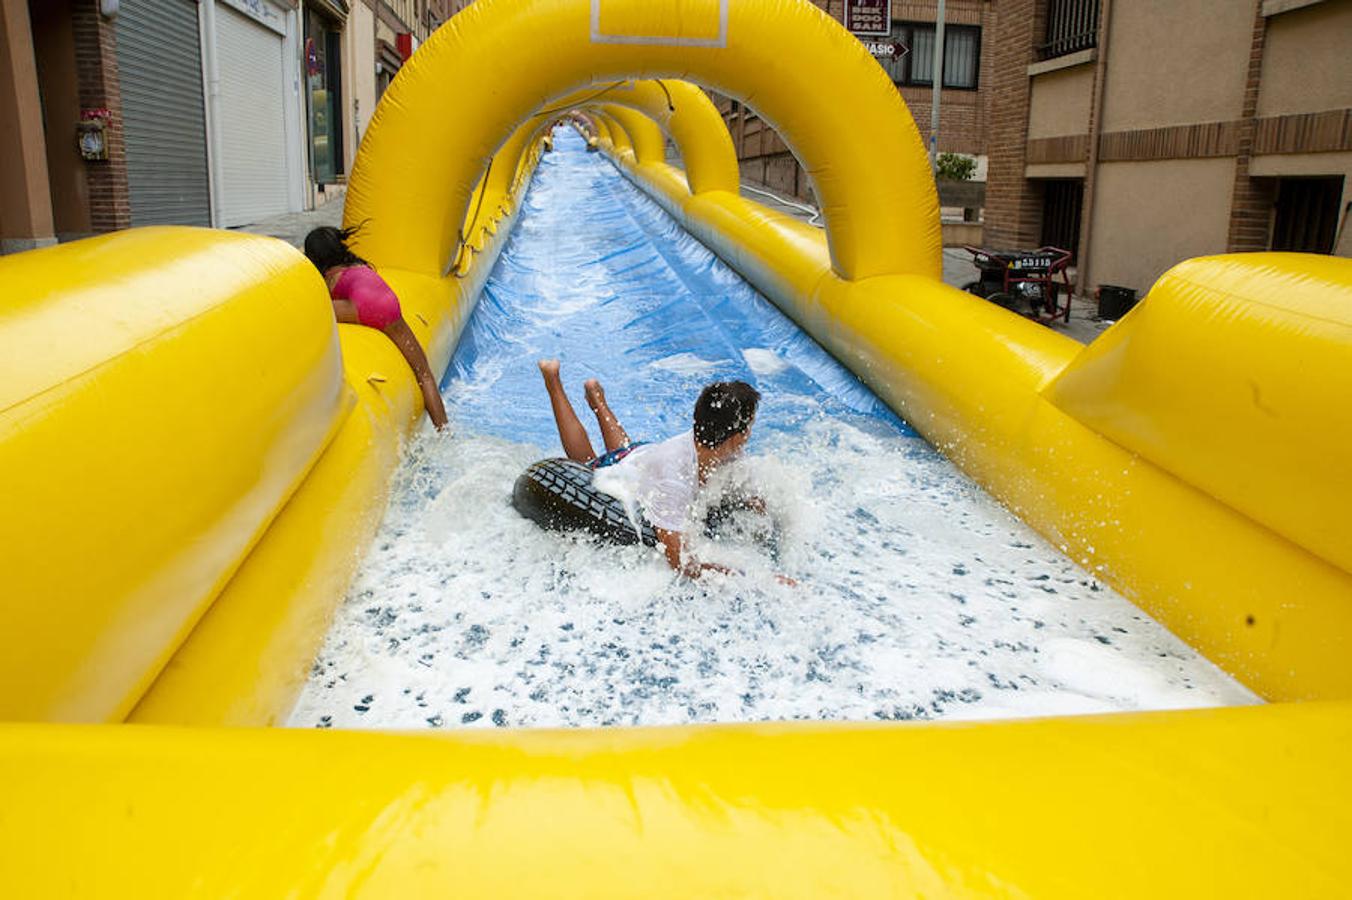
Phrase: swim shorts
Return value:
(611, 457)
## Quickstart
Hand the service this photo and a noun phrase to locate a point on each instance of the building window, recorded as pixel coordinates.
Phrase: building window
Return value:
(388, 63)
(1306, 217)
(1072, 26)
(962, 55)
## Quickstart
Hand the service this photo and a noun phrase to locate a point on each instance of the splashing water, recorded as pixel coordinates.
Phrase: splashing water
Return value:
(919, 596)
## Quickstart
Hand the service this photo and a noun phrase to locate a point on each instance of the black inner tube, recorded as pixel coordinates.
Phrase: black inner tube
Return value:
(558, 495)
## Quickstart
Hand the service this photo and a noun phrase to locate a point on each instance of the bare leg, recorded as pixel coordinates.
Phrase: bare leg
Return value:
(612, 432)
(575, 441)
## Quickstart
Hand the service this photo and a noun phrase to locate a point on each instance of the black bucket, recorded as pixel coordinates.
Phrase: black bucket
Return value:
(1114, 302)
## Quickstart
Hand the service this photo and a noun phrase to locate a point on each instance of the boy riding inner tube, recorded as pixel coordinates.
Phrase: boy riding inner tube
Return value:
(604, 494)
(559, 495)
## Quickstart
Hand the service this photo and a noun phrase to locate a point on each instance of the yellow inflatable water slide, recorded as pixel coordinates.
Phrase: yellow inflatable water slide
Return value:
(193, 458)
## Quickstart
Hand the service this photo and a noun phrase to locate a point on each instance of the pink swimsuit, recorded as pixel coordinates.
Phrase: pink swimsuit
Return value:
(377, 306)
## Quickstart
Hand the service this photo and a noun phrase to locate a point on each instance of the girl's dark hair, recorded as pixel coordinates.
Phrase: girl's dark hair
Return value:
(724, 409)
(326, 247)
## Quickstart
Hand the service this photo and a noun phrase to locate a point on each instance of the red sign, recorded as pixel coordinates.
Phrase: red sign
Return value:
(869, 17)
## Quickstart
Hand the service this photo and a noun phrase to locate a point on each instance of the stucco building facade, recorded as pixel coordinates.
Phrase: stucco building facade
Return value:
(1142, 132)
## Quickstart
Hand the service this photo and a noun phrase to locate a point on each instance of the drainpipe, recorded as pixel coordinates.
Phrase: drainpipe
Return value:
(211, 72)
(937, 77)
(1082, 264)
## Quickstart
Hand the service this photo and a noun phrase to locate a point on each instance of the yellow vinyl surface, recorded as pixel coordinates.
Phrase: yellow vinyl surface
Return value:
(248, 658)
(1242, 802)
(414, 174)
(193, 459)
(162, 392)
(1241, 422)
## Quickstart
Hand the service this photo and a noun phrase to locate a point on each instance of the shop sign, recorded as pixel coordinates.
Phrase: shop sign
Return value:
(262, 12)
(869, 17)
(887, 49)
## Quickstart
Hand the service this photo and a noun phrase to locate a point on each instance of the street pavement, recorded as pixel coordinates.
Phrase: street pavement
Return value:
(293, 227)
(958, 267)
(1083, 326)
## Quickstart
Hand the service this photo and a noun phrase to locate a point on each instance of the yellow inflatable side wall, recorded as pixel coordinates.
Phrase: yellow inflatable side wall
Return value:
(162, 392)
(1241, 422)
(248, 658)
(1243, 802)
(242, 465)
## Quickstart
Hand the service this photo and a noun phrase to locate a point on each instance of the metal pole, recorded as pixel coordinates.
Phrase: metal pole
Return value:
(211, 72)
(1084, 258)
(937, 74)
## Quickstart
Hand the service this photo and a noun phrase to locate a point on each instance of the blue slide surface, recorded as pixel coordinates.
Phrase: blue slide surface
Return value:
(600, 277)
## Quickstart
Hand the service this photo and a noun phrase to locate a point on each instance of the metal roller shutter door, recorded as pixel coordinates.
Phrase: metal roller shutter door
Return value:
(159, 63)
(253, 121)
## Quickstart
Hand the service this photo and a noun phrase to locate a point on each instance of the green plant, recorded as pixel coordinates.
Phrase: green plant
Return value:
(955, 167)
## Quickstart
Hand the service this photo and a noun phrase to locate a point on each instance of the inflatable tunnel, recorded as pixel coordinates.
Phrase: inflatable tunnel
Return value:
(194, 458)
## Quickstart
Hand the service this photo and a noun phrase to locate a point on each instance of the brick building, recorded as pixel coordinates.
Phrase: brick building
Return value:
(46, 187)
(200, 112)
(965, 101)
(1142, 133)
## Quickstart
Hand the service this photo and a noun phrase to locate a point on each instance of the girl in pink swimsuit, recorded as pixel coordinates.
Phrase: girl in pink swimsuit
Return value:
(361, 297)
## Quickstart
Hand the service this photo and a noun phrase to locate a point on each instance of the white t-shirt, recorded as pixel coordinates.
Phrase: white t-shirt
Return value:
(662, 479)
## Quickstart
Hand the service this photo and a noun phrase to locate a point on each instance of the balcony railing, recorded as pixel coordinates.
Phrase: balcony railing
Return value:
(1072, 25)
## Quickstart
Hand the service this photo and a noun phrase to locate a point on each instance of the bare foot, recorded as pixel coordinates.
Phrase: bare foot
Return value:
(549, 368)
(596, 395)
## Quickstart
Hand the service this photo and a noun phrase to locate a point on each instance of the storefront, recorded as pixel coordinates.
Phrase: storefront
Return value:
(211, 108)
(256, 116)
(159, 60)
(324, 89)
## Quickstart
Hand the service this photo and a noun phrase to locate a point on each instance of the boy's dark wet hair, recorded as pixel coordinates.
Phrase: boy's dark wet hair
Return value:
(724, 409)
(326, 247)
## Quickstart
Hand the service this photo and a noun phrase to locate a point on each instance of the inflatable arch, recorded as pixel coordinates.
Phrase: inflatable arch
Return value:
(681, 112)
(643, 113)
(647, 142)
(650, 111)
(604, 133)
(860, 146)
(1183, 457)
(583, 123)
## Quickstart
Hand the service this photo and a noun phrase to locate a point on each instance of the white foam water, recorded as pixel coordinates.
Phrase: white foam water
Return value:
(918, 598)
